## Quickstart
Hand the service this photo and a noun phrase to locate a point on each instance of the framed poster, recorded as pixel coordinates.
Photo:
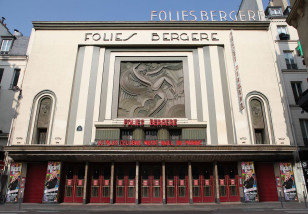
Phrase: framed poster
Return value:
(287, 180)
(249, 181)
(14, 182)
(52, 182)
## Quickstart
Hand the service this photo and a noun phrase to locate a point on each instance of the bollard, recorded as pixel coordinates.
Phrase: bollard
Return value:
(280, 199)
(305, 199)
(19, 201)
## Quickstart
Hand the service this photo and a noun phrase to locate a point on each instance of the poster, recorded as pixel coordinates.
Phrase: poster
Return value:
(249, 181)
(14, 182)
(287, 179)
(52, 182)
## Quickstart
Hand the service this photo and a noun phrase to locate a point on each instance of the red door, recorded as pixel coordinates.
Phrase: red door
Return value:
(150, 182)
(74, 183)
(125, 184)
(177, 184)
(266, 182)
(35, 180)
(228, 183)
(202, 183)
(100, 184)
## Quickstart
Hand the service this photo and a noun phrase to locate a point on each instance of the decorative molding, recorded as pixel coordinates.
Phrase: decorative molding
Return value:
(152, 25)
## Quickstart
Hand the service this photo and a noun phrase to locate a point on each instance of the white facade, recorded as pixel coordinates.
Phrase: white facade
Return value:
(52, 65)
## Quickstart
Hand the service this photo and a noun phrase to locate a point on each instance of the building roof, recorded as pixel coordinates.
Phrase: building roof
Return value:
(146, 25)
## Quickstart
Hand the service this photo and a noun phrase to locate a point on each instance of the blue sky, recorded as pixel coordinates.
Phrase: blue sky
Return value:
(19, 14)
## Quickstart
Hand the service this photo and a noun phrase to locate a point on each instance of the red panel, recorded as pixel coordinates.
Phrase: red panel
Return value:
(266, 182)
(34, 188)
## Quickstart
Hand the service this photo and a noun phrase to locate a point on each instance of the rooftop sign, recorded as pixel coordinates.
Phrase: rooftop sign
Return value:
(202, 15)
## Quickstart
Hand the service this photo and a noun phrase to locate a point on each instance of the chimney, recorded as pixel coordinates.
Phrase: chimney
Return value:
(2, 19)
(279, 3)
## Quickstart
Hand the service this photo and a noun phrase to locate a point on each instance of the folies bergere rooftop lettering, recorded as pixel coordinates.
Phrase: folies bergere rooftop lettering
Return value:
(213, 15)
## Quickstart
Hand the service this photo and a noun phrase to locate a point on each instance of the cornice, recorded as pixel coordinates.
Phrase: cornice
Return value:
(295, 12)
(150, 25)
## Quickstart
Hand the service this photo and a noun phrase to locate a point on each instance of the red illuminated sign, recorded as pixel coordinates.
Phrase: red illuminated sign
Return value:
(145, 182)
(120, 182)
(150, 142)
(182, 182)
(207, 182)
(153, 122)
(106, 183)
(170, 182)
(80, 182)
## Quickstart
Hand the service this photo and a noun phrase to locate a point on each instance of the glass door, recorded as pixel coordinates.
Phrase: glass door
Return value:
(228, 183)
(177, 184)
(125, 184)
(74, 183)
(151, 184)
(100, 184)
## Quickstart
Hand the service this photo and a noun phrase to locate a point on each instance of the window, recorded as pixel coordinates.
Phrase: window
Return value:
(126, 134)
(6, 45)
(151, 134)
(1, 73)
(258, 121)
(276, 12)
(297, 90)
(290, 60)
(175, 134)
(42, 121)
(15, 78)
(282, 29)
(283, 33)
(304, 127)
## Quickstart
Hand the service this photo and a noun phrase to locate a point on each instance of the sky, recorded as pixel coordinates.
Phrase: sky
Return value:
(19, 14)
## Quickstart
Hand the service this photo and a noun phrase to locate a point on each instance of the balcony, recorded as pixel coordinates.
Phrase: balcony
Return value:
(292, 66)
(284, 36)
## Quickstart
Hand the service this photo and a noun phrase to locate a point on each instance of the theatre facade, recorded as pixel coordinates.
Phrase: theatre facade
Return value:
(152, 112)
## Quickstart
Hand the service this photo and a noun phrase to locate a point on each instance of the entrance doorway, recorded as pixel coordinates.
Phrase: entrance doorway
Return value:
(177, 183)
(151, 183)
(125, 183)
(74, 183)
(100, 183)
(266, 182)
(228, 182)
(34, 187)
(202, 184)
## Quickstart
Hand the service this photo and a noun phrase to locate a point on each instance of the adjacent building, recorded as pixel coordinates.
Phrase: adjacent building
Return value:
(13, 61)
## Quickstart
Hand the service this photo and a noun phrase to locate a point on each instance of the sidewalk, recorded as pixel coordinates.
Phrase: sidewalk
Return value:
(152, 207)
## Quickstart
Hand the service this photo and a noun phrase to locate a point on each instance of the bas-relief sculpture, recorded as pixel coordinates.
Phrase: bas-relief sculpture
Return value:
(257, 114)
(44, 113)
(151, 89)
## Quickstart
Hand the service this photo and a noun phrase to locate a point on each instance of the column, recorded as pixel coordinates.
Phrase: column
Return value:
(85, 183)
(217, 197)
(164, 182)
(137, 183)
(112, 183)
(190, 183)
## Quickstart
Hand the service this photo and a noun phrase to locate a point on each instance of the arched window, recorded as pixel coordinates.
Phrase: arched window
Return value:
(259, 121)
(42, 121)
(42, 114)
